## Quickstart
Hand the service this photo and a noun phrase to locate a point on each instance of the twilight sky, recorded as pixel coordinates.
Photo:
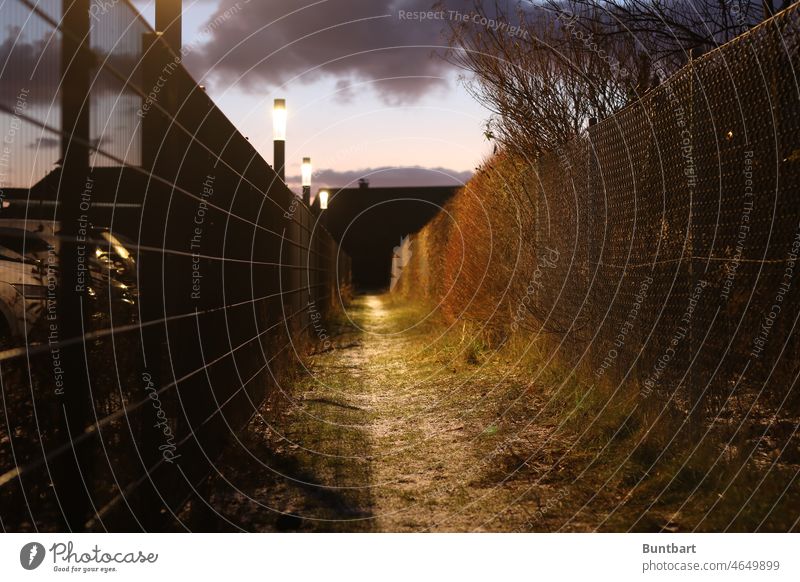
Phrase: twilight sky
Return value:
(366, 94)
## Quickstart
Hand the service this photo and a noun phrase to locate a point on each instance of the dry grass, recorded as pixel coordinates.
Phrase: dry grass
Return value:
(411, 424)
(726, 460)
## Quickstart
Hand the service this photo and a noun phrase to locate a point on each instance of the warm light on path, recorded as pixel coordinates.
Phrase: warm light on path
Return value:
(376, 307)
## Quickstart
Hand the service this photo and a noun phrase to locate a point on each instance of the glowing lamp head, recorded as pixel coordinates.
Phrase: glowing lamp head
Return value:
(323, 199)
(305, 170)
(279, 120)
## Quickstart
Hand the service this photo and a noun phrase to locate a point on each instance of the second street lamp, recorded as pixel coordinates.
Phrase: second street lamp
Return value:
(305, 171)
(279, 137)
(323, 199)
(322, 195)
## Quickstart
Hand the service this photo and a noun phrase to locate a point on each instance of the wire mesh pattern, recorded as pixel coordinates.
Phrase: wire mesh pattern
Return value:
(193, 267)
(656, 258)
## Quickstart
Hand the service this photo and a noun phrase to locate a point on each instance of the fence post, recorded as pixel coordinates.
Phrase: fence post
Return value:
(691, 229)
(156, 159)
(305, 282)
(71, 476)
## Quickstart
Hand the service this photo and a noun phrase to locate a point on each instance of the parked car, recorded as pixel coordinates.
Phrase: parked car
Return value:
(113, 255)
(29, 271)
(23, 295)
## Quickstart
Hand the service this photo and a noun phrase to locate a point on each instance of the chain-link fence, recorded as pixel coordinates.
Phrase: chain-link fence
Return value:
(657, 256)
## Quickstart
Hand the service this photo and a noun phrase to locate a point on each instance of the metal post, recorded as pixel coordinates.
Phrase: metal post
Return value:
(159, 152)
(305, 171)
(169, 22)
(280, 159)
(279, 137)
(73, 469)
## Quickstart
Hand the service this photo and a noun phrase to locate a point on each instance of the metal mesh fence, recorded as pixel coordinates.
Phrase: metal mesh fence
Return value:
(657, 255)
(163, 273)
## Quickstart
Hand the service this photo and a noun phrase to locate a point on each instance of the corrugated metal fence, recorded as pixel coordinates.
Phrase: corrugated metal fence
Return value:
(118, 402)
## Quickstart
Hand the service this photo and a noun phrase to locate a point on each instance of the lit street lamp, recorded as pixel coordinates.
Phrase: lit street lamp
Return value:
(279, 137)
(305, 171)
(323, 199)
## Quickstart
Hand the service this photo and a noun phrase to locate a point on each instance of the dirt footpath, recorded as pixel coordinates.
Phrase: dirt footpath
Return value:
(395, 429)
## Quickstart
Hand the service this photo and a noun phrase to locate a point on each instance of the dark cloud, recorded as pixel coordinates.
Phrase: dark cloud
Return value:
(271, 43)
(30, 69)
(387, 177)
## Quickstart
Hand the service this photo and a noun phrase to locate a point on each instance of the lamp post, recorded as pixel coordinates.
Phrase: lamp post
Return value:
(279, 137)
(305, 171)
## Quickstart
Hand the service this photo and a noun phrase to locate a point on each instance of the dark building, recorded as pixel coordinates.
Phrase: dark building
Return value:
(369, 222)
(114, 199)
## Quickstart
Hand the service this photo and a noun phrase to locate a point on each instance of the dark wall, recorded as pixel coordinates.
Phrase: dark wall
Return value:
(369, 223)
(117, 197)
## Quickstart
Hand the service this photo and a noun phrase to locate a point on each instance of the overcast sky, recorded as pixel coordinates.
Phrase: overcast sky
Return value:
(365, 89)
